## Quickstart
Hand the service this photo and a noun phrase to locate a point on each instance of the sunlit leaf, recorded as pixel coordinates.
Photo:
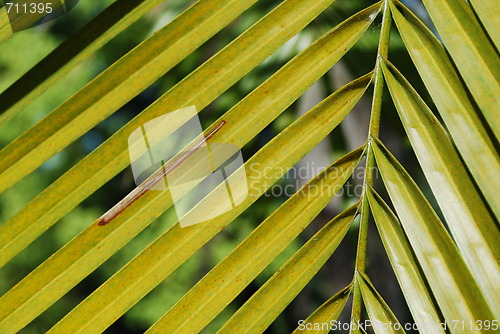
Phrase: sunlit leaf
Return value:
(5, 29)
(489, 14)
(122, 81)
(447, 272)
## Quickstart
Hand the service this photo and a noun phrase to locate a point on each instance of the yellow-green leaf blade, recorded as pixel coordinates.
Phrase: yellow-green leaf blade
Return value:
(451, 282)
(274, 296)
(405, 266)
(381, 316)
(472, 52)
(224, 282)
(327, 312)
(259, 109)
(455, 192)
(452, 101)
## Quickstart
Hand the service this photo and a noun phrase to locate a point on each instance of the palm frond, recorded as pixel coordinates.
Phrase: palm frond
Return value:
(447, 269)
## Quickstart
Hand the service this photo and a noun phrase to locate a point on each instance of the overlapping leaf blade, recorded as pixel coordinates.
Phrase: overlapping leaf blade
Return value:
(5, 29)
(455, 192)
(95, 244)
(450, 280)
(452, 100)
(421, 241)
(472, 53)
(271, 299)
(405, 266)
(489, 14)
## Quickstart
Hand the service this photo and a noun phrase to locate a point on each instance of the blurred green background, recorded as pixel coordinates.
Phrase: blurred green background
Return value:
(28, 47)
